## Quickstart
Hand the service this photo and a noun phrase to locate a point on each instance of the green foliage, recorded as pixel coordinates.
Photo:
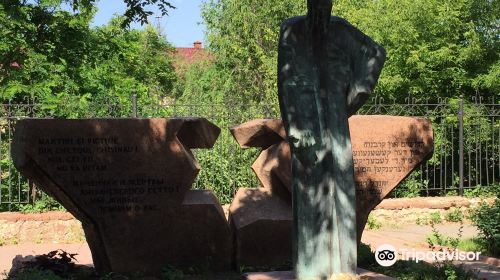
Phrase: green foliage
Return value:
(43, 204)
(492, 190)
(366, 257)
(372, 222)
(431, 219)
(172, 273)
(435, 48)
(435, 218)
(472, 245)
(438, 239)
(136, 9)
(71, 70)
(412, 186)
(486, 218)
(454, 215)
(410, 270)
(36, 274)
(243, 36)
(65, 65)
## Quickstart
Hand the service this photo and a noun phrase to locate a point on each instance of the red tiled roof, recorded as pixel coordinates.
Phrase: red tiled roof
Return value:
(14, 65)
(192, 54)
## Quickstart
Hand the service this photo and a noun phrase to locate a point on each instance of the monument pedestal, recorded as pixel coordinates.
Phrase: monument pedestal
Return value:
(289, 275)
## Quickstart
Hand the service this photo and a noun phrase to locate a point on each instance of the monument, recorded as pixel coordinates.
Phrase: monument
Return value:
(128, 181)
(326, 70)
(383, 155)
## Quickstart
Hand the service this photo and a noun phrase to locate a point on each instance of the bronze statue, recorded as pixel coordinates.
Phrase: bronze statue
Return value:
(326, 71)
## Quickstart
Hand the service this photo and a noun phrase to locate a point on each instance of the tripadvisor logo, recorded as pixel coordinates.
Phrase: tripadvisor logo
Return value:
(387, 255)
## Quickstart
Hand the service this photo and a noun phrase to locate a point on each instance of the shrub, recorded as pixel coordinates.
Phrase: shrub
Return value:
(373, 223)
(487, 219)
(43, 204)
(454, 215)
(411, 270)
(435, 218)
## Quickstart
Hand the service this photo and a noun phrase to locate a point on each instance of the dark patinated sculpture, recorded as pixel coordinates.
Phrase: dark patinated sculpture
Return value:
(326, 70)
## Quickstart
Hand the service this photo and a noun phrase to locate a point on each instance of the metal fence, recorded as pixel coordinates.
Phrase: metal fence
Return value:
(466, 132)
(467, 143)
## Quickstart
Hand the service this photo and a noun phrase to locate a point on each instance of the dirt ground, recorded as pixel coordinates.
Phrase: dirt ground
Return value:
(35, 234)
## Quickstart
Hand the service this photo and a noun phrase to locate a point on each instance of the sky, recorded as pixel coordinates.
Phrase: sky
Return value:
(182, 25)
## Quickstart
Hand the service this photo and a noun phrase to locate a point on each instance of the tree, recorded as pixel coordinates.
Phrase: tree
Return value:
(243, 36)
(65, 62)
(136, 9)
(435, 48)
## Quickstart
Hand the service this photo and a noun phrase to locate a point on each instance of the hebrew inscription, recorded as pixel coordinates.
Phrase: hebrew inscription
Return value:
(386, 149)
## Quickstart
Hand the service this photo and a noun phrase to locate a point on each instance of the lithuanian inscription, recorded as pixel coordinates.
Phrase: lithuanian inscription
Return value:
(128, 181)
(107, 193)
(80, 153)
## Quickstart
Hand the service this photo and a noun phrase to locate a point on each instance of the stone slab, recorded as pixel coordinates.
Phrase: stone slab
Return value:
(262, 226)
(386, 149)
(127, 181)
(259, 133)
(200, 235)
(289, 275)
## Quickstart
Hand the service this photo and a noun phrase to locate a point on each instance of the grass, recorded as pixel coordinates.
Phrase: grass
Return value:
(473, 244)
(88, 274)
(55, 268)
(435, 218)
(411, 270)
(13, 240)
(404, 270)
(432, 218)
(373, 223)
(455, 215)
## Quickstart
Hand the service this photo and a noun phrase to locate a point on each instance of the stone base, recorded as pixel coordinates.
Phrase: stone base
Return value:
(288, 275)
(262, 225)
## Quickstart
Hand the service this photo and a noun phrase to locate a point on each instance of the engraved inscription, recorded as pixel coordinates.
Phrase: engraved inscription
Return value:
(387, 156)
(89, 156)
(378, 163)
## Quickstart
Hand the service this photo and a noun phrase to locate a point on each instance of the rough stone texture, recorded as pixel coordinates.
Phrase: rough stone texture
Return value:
(269, 135)
(262, 224)
(260, 133)
(126, 180)
(47, 216)
(37, 231)
(386, 149)
(425, 202)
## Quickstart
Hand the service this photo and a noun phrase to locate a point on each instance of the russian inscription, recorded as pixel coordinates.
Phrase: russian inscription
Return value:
(128, 181)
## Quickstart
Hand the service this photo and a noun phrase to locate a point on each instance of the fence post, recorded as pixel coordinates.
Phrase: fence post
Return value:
(461, 146)
(134, 105)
